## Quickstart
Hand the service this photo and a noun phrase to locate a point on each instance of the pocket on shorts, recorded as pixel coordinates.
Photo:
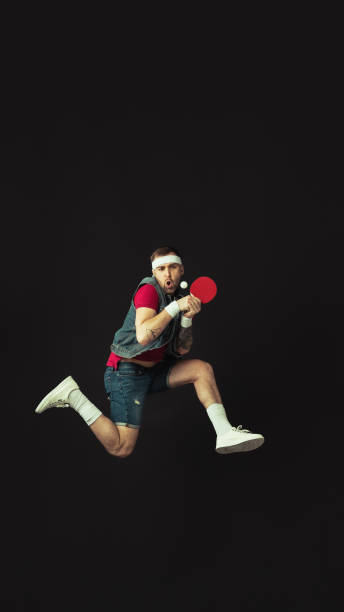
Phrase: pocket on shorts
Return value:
(107, 382)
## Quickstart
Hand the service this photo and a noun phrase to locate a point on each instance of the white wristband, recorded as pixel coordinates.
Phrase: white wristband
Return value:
(185, 321)
(173, 309)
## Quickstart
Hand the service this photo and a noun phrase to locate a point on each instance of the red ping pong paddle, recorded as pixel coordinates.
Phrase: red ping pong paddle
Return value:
(204, 288)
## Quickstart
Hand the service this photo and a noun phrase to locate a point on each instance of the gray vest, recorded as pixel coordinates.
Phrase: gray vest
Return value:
(125, 343)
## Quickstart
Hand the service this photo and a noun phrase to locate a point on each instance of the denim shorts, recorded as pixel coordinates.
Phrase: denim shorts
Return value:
(128, 386)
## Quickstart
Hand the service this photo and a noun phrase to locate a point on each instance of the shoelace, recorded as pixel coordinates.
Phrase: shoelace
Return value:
(240, 429)
(60, 404)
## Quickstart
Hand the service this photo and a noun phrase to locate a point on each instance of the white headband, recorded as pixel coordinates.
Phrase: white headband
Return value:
(161, 261)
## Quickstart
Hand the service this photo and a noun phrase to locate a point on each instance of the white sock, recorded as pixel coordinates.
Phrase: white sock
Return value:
(83, 406)
(218, 417)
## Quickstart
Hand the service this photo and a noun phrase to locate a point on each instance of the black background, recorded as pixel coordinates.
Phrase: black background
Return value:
(251, 198)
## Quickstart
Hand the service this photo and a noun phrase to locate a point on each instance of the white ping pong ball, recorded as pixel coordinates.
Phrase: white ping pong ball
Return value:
(183, 284)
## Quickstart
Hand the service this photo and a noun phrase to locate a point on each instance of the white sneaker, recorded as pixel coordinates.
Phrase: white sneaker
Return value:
(58, 397)
(238, 440)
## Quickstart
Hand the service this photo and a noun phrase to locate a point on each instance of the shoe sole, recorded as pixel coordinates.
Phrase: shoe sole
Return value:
(44, 404)
(241, 447)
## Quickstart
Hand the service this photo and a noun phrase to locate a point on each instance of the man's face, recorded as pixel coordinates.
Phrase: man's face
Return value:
(168, 276)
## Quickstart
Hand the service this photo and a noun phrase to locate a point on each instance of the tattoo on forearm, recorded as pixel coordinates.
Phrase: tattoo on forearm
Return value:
(153, 332)
(184, 339)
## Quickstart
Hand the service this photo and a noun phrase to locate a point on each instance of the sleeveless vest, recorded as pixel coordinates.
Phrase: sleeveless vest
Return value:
(125, 343)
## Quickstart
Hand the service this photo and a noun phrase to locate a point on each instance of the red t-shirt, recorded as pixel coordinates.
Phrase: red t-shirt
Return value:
(145, 297)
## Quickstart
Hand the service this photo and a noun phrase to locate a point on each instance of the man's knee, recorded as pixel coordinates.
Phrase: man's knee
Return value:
(204, 369)
(125, 452)
(122, 451)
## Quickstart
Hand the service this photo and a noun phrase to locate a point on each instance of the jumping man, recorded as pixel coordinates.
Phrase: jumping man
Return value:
(147, 356)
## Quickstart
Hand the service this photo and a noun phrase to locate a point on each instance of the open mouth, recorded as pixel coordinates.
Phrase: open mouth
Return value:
(169, 284)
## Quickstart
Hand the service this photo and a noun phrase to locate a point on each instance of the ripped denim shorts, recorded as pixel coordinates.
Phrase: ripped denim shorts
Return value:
(128, 386)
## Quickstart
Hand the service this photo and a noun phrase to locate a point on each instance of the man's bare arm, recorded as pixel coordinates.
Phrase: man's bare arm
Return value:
(184, 340)
(150, 325)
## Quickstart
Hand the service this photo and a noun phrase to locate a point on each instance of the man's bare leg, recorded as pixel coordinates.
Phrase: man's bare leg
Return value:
(201, 374)
(116, 439)
(229, 439)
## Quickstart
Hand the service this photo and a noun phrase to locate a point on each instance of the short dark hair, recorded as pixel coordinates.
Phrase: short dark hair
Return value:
(164, 250)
